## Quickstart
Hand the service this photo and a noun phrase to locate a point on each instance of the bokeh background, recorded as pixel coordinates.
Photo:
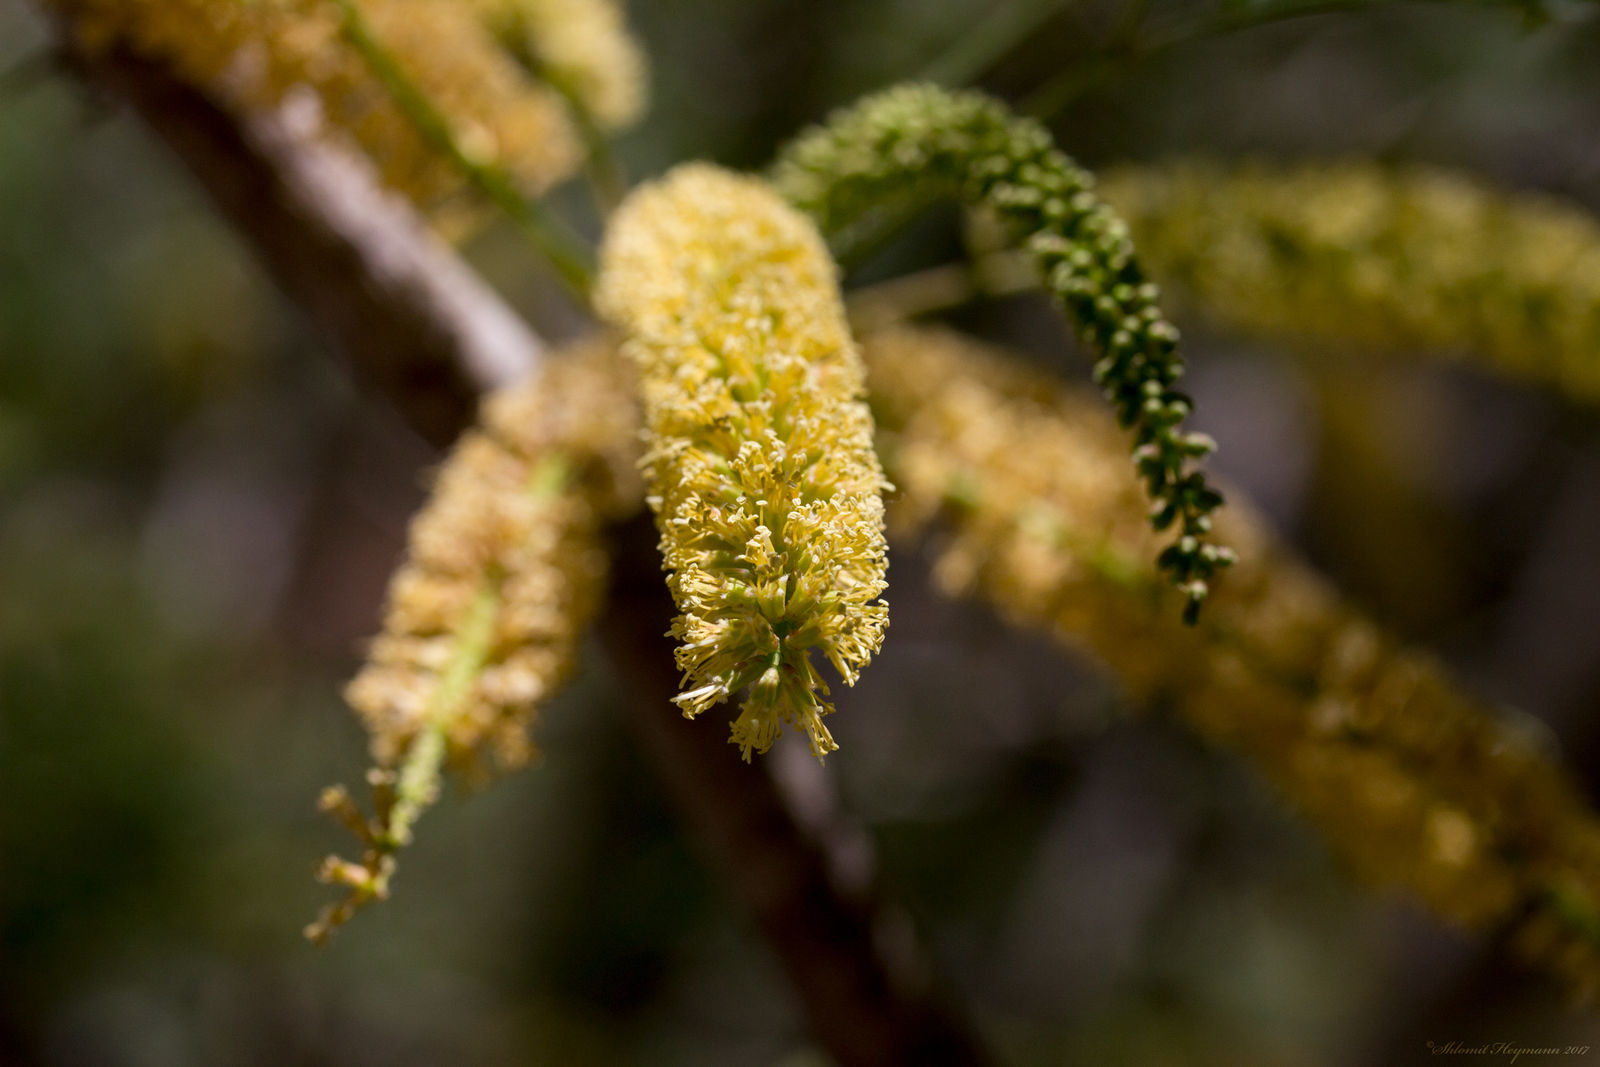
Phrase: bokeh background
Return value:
(198, 512)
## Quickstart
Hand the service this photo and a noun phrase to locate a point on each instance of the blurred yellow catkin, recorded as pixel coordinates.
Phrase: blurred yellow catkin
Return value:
(582, 47)
(253, 54)
(760, 466)
(1394, 258)
(505, 567)
(1413, 782)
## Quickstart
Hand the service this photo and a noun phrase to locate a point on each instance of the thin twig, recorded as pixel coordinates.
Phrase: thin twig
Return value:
(983, 46)
(1125, 50)
(607, 179)
(942, 288)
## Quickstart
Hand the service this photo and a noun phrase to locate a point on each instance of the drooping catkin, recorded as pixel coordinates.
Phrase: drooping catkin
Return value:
(504, 569)
(759, 466)
(1412, 781)
(914, 143)
(252, 54)
(1358, 253)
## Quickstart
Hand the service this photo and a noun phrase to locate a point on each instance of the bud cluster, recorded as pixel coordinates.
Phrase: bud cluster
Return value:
(918, 142)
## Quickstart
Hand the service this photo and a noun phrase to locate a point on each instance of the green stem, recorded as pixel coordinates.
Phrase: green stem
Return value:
(1125, 50)
(942, 288)
(983, 46)
(548, 477)
(606, 177)
(1051, 98)
(563, 248)
(417, 783)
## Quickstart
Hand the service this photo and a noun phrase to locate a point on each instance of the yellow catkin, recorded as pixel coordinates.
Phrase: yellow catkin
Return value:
(760, 466)
(1395, 258)
(583, 47)
(1412, 781)
(252, 54)
(504, 568)
(514, 509)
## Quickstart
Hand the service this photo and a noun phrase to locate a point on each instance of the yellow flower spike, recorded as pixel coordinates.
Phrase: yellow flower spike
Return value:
(1412, 781)
(759, 462)
(252, 54)
(504, 570)
(1361, 254)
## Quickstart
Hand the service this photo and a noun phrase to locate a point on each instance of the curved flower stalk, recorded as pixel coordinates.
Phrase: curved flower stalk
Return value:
(582, 47)
(760, 466)
(504, 569)
(1355, 252)
(1413, 782)
(252, 54)
(919, 142)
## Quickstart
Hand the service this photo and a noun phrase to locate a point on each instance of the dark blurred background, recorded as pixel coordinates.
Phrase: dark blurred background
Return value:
(198, 513)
